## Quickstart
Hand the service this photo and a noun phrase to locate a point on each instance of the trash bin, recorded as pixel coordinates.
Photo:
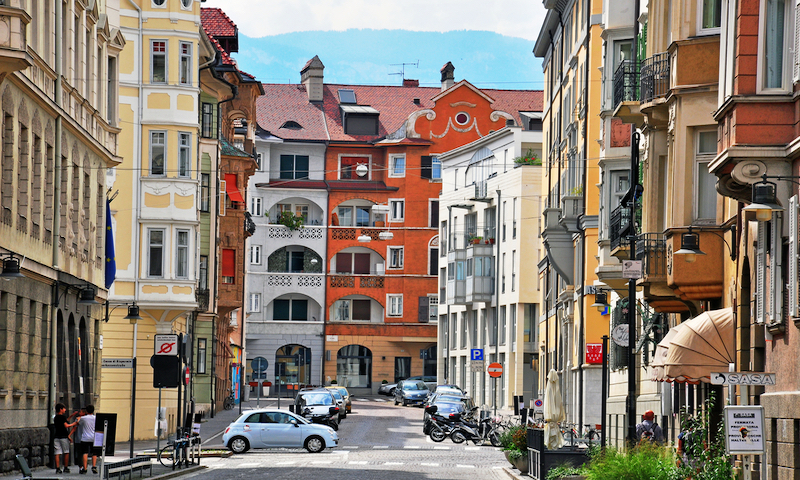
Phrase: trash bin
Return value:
(265, 391)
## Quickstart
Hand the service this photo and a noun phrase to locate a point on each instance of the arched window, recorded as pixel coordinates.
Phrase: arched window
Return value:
(293, 365)
(354, 366)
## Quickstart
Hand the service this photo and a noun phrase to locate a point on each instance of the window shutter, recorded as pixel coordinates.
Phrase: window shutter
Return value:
(796, 52)
(301, 166)
(228, 262)
(423, 309)
(775, 271)
(792, 284)
(427, 166)
(761, 267)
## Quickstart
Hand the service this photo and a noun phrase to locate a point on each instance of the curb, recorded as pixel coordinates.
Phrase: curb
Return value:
(514, 473)
(179, 472)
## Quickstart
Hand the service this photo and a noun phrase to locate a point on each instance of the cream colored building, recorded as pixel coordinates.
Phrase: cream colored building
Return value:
(156, 212)
(490, 184)
(59, 135)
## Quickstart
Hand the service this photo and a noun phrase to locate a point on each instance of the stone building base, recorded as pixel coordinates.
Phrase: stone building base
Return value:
(31, 443)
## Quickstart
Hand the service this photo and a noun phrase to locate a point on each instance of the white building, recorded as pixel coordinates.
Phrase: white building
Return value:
(490, 211)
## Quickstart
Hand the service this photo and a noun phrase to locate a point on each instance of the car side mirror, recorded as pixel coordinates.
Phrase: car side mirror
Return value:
(294, 422)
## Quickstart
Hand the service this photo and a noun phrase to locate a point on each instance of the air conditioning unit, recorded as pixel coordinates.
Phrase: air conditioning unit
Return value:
(380, 268)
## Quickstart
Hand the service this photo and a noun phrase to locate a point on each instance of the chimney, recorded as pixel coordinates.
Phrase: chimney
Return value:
(447, 76)
(410, 83)
(311, 77)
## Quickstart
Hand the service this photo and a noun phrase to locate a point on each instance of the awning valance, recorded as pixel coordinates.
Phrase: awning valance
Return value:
(695, 348)
(232, 189)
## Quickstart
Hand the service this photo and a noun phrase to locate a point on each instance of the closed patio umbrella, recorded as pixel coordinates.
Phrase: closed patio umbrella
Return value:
(553, 412)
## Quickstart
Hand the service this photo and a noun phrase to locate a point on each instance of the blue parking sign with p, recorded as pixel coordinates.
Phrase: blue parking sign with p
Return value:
(476, 354)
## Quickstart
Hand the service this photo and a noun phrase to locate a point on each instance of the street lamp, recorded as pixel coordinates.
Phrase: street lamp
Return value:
(600, 301)
(764, 201)
(690, 246)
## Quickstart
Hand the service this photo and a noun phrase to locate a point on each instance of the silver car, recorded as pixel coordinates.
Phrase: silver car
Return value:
(274, 428)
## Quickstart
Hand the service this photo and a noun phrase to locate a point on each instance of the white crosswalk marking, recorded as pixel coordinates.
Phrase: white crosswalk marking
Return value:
(322, 462)
(247, 465)
(429, 464)
(357, 463)
(285, 463)
(394, 463)
(376, 447)
(465, 466)
(412, 447)
(441, 448)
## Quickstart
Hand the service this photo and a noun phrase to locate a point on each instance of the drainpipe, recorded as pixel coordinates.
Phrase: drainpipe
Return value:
(59, 12)
(497, 298)
(585, 190)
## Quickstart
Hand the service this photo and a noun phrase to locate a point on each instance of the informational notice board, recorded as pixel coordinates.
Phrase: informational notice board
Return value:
(110, 438)
(744, 429)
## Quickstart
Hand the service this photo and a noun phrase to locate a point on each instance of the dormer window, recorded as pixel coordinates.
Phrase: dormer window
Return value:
(292, 125)
(359, 119)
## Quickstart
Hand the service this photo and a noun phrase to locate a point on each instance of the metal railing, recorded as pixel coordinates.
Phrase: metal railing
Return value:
(655, 77)
(651, 248)
(618, 225)
(626, 82)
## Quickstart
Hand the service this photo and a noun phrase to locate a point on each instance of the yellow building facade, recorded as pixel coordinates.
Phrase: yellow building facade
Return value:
(156, 210)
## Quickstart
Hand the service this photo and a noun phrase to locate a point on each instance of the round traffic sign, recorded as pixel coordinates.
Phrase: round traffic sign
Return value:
(495, 370)
(260, 364)
(538, 403)
(188, 376)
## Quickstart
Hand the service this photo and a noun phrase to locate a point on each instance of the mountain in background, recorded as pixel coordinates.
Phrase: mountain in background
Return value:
(371, 57)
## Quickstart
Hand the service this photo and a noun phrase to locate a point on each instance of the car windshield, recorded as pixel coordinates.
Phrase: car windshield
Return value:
(336, 394)
(446, 408)
(414, 386)
(444, 389)
(343, 391)
(321, 398)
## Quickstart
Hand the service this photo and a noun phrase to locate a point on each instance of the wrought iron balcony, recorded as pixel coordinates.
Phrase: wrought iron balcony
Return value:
(651, 248)
(626, 82)
(618, 225)
(655, 77)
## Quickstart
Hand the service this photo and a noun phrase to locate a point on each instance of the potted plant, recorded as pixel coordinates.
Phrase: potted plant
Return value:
(290, 220)
(529, 158)
(475, 240)
(515, 447)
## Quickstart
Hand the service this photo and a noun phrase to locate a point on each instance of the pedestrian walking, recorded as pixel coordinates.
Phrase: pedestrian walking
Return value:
(61, 436)
(648, 429)
(87, 428)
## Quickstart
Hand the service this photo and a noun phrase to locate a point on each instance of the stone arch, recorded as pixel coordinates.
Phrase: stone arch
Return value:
(8, 101)
(36, 123)
(22, 113)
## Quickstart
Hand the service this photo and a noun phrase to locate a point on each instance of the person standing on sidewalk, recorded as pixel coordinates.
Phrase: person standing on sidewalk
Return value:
(61, 437)
(87, 424)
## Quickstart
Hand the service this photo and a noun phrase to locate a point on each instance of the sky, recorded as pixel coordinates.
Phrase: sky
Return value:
(259, 18)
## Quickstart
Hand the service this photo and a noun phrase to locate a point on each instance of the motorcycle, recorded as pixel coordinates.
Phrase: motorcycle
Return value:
(440, 427)
(330, 418)
(478, 432)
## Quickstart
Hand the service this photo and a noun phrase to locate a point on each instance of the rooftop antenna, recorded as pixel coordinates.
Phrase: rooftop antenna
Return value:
(402, 66)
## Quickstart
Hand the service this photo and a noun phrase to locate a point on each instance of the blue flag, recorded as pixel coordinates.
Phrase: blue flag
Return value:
(111, 260)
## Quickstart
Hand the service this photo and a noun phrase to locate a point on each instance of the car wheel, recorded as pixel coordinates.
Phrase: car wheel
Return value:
(405, 403)
(438, 435)
(314, 444)
(239, 445)
(395, 401)
(457, 437)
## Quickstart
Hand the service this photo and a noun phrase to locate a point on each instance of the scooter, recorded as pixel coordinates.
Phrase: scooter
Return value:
(329, 419)
(440, 426)
(478, 433)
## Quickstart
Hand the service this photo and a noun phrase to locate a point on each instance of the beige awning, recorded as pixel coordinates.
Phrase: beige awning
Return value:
(660, 355)
(702, 345)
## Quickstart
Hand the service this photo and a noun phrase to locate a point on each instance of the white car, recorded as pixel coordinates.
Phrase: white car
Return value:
(274, 428)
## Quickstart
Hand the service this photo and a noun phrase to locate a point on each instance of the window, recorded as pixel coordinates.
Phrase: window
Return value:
(184, 154)
(360, 124)
(260, 161)
(397, 166)
(290, 309)
(433, 221)
(436, 169)
(255, 254)
(705, 182)
(256, 206)
(348, 168)
(228, 266)
(709, 17)
(489, 223)
(433, 307)
(158, 61)
(182, 254)
(207, 120)
(346, 218)
(201, 355)
(203, 273)
(773, 45)
(205, 191)
(397, 210)
(294, 166)
(155, 257)
(157, 147)
(395, 257)
(159, 3)
(514, 219)
(395, 303)
(623, 50)
(463, 330)
(186, 3)
(503, 325)
(186, 64)
(513, 269)
(355, 263)
(355, 309)
(255, 302)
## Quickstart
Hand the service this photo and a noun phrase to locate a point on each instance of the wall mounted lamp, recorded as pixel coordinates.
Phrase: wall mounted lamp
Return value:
(133, 312)
(690, 246)
(764, 201)
(600, 301)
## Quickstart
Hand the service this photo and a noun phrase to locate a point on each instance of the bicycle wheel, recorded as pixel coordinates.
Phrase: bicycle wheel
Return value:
(166, 456)
(228, 404)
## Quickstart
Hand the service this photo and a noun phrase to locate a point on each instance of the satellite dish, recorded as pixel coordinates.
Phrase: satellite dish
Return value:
(362, 170)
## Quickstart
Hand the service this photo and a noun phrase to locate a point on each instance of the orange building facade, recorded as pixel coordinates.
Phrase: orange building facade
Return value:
(381, 220)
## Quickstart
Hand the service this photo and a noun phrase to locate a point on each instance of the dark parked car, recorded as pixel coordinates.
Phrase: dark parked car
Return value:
(388, 388)
(318, 406)
(411, 392)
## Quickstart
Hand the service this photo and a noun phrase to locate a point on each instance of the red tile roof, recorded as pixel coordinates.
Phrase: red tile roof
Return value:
(323, 121)
(216, 23)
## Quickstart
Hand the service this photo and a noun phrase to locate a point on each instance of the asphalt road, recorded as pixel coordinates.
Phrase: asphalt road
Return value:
(378, 440)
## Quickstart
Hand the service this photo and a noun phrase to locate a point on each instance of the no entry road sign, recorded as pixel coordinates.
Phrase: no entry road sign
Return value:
(495, 370)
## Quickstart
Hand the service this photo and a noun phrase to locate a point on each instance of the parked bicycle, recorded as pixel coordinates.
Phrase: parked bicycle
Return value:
(174, 452)
(229, 402)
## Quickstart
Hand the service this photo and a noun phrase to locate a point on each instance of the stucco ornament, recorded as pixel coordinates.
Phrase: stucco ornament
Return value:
(498, 114)
(644, 146)
(458, 129)
(671, 121)
(749, 171)
(412, 121)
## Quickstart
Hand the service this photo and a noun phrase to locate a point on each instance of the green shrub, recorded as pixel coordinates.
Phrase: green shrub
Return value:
(515, 440)
(643, 462)
(564, 470)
